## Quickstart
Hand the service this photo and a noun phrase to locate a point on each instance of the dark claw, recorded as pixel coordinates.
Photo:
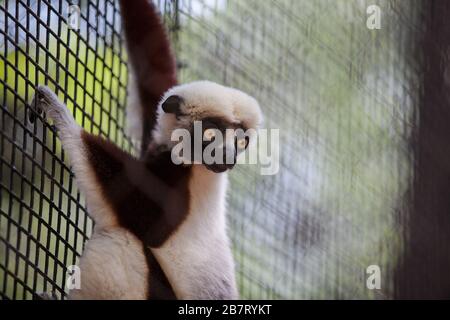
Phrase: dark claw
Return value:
(35, 110)
(31, 114)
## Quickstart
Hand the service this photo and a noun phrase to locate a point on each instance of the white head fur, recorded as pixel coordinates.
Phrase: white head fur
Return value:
(203, 99)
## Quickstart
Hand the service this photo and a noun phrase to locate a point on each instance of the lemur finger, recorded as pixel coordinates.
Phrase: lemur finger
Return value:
(35, 109)
(45, 100)
(32, 114)
(40, 99)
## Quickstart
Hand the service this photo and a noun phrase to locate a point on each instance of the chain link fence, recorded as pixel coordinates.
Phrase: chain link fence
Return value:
(344, 94)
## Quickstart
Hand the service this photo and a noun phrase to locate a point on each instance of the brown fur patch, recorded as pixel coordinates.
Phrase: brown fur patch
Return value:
(151, 58)
(151, 198)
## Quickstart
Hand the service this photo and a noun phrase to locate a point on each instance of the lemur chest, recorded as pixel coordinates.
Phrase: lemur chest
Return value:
(205, 220)
(197, 254)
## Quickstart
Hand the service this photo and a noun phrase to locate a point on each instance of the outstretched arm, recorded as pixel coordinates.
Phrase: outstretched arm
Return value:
(148, 198)
(70, 134)
(153, 66)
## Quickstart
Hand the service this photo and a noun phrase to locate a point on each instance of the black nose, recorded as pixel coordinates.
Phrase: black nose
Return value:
(229, 166)
(217, 168)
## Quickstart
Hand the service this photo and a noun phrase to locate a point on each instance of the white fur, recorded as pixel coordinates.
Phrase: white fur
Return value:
(113, 264)
(197, 259)
(70, 134)
(198, 256)
(207, 99)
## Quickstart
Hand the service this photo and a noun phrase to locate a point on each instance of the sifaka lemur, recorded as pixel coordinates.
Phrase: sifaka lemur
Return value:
(160, 227)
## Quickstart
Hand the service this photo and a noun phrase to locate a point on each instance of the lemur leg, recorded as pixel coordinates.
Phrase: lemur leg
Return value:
(71, 135)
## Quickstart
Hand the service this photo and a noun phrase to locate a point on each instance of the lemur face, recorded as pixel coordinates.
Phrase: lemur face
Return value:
(220, 119)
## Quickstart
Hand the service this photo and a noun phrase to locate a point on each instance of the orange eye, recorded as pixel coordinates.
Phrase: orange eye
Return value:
(241, 143)
(209, 134)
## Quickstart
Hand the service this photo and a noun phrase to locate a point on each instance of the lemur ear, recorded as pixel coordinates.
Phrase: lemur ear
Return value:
(173, 105)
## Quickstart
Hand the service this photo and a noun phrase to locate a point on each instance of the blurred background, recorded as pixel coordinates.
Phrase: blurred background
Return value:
(362, 113)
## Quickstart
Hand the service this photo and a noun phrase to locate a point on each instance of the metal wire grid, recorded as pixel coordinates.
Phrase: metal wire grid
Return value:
(43, 220)
(343, 98)
(341, 95)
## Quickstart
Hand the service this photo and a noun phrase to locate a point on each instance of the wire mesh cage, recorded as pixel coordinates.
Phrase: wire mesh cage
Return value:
(44, 223)
(343, 95)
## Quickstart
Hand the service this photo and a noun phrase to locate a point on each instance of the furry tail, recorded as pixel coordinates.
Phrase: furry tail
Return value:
(153, 67)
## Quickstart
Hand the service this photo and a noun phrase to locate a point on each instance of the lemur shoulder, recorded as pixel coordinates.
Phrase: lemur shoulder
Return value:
(160, 228)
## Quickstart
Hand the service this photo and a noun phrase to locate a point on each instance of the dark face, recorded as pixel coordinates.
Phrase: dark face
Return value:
(217, 136)
(229, 145)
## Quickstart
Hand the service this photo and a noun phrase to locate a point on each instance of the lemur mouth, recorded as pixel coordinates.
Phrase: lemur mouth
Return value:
(218, 168)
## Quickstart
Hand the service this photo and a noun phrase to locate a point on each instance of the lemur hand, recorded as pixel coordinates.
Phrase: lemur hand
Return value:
(45, 100)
